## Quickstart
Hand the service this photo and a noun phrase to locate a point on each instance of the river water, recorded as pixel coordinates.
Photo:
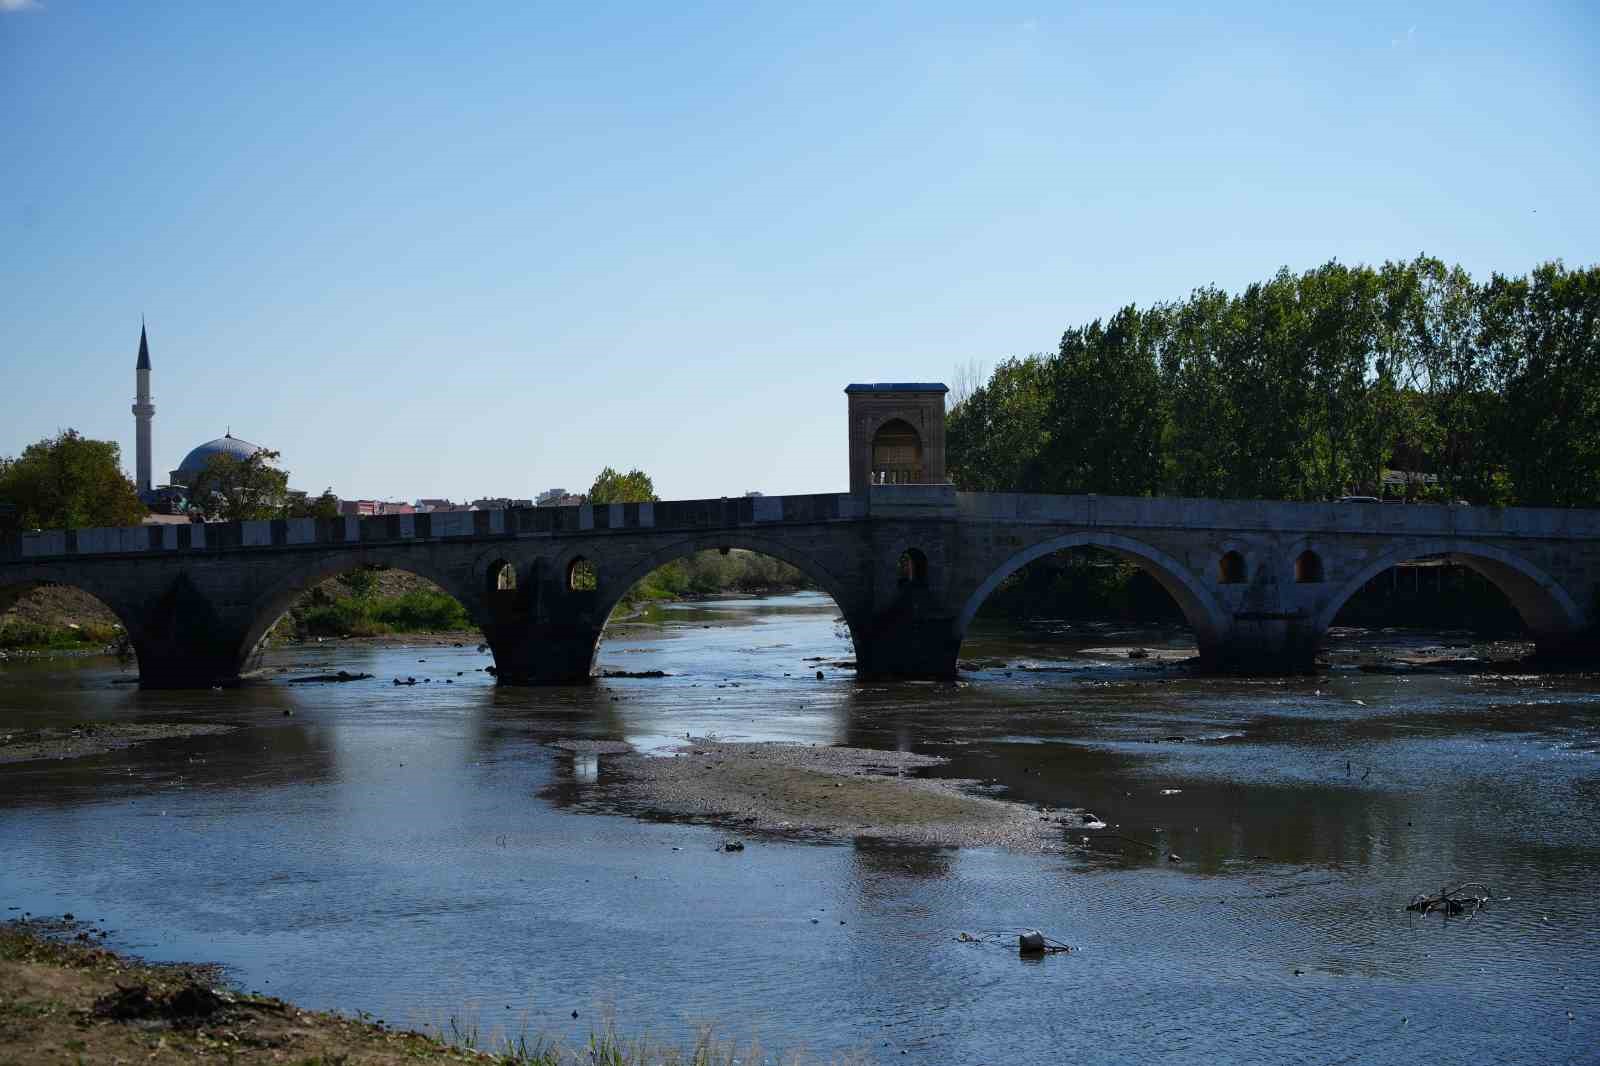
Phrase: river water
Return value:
(424, 853)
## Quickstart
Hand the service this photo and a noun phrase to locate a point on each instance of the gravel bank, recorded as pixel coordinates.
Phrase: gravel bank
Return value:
(820, 791)
(80, 741)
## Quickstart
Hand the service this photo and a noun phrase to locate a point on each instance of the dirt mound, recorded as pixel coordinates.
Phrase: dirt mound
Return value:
(58, 606)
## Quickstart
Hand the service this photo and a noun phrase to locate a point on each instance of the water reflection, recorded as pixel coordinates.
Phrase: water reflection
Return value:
(322, 852)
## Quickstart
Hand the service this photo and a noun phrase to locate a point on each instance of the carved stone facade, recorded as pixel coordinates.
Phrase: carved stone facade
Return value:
(896, 434)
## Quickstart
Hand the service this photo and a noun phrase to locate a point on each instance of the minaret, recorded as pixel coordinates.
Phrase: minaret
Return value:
(143, 411)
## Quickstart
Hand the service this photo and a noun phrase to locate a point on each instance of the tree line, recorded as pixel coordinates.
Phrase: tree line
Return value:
(1309, 386)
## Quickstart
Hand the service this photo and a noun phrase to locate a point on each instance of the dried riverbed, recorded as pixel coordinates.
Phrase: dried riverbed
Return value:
(82, 741)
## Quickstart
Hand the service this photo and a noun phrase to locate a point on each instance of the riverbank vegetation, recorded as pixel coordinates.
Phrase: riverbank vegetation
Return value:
(1308, 387)
(53, 618)
(713, 572)
(371, 602)
(64, 997)
(32, 636)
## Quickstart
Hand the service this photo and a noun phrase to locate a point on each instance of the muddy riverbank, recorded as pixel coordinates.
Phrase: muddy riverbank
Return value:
(65, 997)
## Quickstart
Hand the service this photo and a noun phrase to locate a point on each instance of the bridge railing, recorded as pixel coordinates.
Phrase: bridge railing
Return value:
(724, 513)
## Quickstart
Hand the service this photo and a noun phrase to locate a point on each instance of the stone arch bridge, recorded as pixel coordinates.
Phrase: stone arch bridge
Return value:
(908, 565)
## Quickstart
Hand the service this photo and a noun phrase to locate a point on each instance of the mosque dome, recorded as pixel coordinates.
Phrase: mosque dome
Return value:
(198, 457)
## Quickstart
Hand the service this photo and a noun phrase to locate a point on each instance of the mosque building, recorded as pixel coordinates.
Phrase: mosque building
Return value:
(171, 494)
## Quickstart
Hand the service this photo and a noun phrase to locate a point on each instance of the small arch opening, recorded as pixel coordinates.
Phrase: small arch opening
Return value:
(1308, 568)
(1231, 569)
(912, 569)
(502, 577)
(897, 454)
(582, 575)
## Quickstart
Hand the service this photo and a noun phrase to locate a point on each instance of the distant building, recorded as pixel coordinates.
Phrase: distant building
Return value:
(753, 493)
(499, 503)
(370, 508)
(430, 506)
(558, 498)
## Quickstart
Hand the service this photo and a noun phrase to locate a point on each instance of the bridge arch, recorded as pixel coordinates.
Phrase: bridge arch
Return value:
(468, 589)
(1546, 608)
(613, 588)
(15, 588)
(1204, 614)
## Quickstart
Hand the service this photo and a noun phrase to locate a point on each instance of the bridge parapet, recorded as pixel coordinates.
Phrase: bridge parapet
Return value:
(586, 519)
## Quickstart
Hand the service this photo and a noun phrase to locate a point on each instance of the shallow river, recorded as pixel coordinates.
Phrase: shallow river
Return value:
(424, 854)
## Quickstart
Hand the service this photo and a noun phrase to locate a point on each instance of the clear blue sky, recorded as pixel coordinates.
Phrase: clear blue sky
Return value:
(453, 249)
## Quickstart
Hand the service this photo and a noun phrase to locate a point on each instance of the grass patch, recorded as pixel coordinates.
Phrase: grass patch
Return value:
(17, 634)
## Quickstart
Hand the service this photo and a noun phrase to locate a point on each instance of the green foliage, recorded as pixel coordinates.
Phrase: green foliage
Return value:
(633, 487)
(363, 614)
(994, 436)
(323, 506)
(709, 572)
(1109, 438)
(420, 610)
(67, 482)
(236, 490)
(359, 582)
(1307, 387)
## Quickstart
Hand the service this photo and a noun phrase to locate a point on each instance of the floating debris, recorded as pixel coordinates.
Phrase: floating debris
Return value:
(1453, 901)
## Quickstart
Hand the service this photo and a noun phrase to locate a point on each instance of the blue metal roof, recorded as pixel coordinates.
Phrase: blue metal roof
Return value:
(228, 445)
(900, 386)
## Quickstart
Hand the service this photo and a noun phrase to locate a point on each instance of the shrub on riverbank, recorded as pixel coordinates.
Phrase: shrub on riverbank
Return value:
(368, 603)
(417, 611)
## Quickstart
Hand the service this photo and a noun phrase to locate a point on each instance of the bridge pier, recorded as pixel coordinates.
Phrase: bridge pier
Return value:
(1261, 643)
(184, 639)
(163, 666)
(912, 651)
(543, 653)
